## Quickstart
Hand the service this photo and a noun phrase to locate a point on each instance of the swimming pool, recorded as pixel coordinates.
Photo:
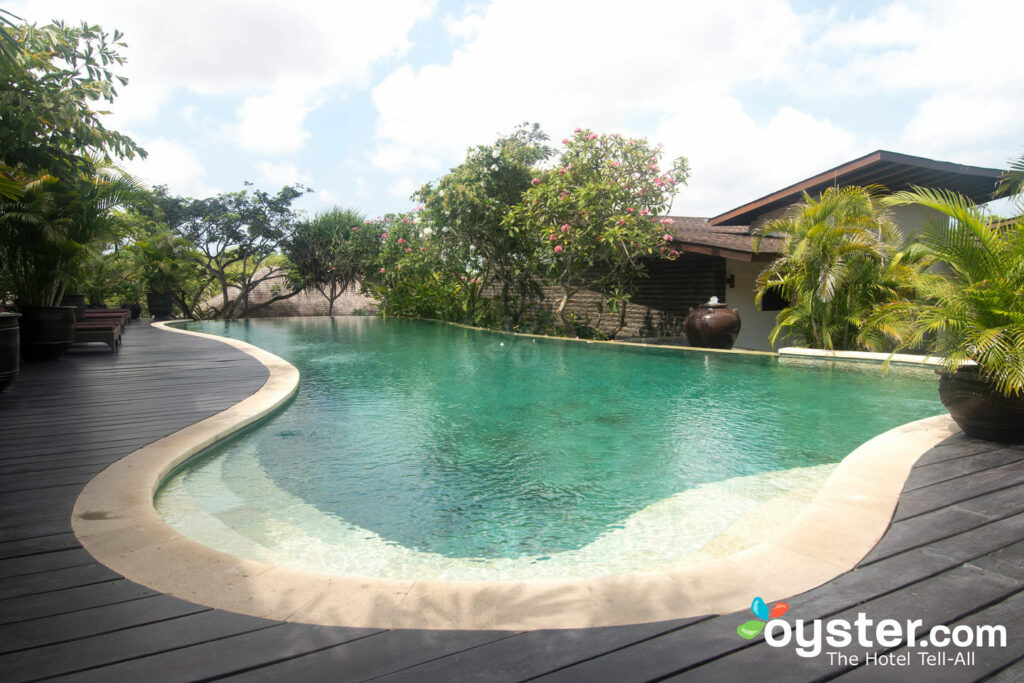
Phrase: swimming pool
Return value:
(415, 449)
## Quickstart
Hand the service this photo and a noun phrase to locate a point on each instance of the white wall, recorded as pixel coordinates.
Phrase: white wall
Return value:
(912, 218)
(754, 324)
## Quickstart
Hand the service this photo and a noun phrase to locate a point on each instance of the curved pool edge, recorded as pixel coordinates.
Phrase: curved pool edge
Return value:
(116, 522)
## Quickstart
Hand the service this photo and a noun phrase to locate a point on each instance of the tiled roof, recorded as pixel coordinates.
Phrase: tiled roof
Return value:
(730, 241)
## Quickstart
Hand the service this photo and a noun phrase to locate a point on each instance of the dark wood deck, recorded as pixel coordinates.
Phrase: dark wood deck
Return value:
(953, 555)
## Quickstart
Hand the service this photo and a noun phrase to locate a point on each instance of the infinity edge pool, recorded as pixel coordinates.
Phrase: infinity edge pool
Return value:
(116, 522)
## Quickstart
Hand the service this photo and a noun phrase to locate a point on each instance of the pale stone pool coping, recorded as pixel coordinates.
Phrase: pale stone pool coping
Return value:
(868, 356)
(115, 521)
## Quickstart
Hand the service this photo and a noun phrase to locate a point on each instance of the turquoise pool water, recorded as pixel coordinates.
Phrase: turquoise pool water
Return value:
(445, 442)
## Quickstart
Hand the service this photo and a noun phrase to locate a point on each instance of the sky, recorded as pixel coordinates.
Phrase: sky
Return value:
(364, 102)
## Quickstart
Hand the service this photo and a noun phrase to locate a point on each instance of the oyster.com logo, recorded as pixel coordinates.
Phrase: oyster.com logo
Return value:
(753, 628)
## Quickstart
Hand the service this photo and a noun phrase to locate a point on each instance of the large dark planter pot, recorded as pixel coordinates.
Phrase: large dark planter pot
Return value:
(136, 310)
(161, 305)
(980, 410)
(76, 300)
(9, 335)
(46, 333)
(712, 326)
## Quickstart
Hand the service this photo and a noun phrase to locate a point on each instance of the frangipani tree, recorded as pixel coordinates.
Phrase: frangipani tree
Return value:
(468, 206)
(597, 213)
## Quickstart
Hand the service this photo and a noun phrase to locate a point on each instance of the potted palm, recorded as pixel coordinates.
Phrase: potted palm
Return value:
(37, 242)
(971, 313)
(158, 261)
(9, 349)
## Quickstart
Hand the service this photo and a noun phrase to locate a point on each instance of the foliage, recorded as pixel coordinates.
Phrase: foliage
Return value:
(51, 79)
(842, 256)
(233, 234)
(972, 307)
(1011, 184)
(321, 255)
(48, 235)
(404, 266)
(597, 216)
(469, 205)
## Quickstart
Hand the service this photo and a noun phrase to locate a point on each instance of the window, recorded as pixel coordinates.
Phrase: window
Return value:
(773, 300)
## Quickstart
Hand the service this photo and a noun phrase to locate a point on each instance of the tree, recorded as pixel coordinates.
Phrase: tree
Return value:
(321, 255)
(235, 234)
(50, 81)
(842, 256)
(468, 208)
(597, 215)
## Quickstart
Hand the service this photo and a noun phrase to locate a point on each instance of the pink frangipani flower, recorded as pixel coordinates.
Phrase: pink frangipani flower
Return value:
(558, 248)
(535, 181)
(667, 237)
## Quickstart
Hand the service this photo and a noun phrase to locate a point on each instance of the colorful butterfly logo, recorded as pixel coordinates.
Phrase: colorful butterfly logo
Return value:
(753, 628)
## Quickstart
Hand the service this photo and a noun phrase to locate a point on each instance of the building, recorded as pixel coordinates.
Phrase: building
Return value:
(719, 257)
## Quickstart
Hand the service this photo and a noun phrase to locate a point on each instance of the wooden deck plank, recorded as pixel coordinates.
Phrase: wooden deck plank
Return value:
(230, 655)
(102, 619)
(48, 561)
(958, 490)
(130, 643)
(71, 600)
(503, 660)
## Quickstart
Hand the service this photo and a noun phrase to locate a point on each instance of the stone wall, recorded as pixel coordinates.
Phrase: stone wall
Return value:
(307, 302)
(662, 300)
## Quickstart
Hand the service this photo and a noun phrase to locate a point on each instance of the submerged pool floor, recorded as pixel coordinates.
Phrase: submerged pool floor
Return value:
(417, 450)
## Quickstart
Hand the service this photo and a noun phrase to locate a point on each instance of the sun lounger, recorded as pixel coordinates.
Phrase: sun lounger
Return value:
(105, 313)
(108, 333)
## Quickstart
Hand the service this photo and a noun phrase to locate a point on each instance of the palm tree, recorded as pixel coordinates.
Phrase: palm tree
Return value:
(973, 309)
(842, 255)
(1011, 184)
(46, 235)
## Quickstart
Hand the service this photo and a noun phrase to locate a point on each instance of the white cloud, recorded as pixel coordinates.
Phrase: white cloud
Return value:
(403, 187)
(326, 197)
(463, 28)
(274, 123)
(282, 173)
(958, 123)
(250, 48)
(734, 159)
(959, 60)
(597, 69)
(173, 164)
